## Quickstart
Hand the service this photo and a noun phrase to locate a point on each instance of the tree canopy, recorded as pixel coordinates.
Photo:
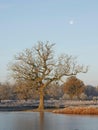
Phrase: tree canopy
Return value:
(74, 87)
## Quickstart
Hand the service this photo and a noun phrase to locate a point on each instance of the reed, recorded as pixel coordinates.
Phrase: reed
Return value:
(78, 110)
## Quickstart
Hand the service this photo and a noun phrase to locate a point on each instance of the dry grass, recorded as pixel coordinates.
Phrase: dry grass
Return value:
(78, 110)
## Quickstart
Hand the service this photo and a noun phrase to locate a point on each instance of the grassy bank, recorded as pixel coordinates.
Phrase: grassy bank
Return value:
(78, 110)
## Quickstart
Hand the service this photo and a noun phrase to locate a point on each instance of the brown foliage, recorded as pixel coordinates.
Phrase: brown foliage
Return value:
(74, 87)
(24, 91)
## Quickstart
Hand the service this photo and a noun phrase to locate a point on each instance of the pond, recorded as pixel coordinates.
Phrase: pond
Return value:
(46, 121)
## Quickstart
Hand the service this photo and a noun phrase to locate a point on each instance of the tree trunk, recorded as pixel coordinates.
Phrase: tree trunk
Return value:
(41, 100)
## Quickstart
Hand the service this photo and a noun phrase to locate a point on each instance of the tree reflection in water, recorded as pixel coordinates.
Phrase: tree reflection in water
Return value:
(41, 123)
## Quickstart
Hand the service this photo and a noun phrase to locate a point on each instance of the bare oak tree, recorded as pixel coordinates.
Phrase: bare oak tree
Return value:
(39, 67)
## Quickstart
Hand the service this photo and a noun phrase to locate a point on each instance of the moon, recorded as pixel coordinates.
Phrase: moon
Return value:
(71, 22)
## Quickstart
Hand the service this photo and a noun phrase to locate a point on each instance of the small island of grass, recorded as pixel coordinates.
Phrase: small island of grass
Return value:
(78, 110)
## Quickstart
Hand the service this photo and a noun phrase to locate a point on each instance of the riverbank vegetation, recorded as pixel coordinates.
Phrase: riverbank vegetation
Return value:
(78, 110)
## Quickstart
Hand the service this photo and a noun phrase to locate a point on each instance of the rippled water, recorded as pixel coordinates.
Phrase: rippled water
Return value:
(46, 121)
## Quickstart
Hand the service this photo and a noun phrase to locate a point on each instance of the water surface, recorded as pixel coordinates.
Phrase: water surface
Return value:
(46, 121)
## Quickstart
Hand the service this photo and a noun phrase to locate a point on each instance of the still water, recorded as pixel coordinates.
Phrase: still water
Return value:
(46, 121)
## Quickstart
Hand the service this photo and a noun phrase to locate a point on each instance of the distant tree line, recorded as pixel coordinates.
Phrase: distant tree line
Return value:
(70, 90)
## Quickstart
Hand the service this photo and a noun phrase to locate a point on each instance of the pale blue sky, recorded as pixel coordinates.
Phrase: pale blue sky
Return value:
(71, 24)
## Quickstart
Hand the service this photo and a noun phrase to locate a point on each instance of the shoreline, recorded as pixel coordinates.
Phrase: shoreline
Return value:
(25, 108)
(90, 109)
(55, 106)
